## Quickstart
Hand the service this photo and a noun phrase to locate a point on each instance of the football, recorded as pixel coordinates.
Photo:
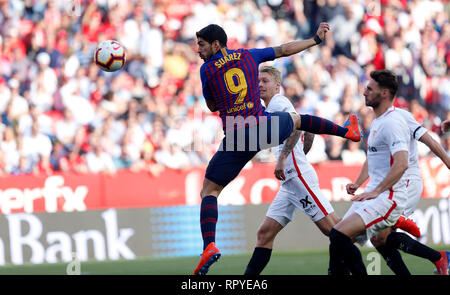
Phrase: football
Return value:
(110, 56)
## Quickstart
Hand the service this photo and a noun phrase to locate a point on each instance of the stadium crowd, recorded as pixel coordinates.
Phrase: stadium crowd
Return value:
(59, 112)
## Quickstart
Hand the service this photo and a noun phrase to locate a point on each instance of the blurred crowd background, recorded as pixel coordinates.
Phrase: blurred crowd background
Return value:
(59, 112)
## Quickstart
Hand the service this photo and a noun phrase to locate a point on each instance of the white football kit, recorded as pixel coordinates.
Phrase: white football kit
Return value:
(300, 189)
(414, 183)
(389, 134)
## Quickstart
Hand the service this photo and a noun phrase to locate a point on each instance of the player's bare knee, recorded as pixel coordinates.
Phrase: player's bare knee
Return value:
(326, 224)
(203, 193)
(210, 188)
(326, 229)
(265, 236)
(208, 192)
(378, 240)
(262, 233)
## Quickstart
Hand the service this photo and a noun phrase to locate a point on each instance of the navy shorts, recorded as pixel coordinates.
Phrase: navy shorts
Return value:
(241, 145)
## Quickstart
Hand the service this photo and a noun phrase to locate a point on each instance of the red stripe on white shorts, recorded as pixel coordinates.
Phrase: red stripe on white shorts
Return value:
(308, 188)
(384, 217)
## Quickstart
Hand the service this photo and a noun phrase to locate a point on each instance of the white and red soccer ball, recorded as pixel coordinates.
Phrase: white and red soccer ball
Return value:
(110, 56)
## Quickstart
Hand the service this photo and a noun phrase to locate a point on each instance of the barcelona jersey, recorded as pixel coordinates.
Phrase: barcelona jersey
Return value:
(230, 78)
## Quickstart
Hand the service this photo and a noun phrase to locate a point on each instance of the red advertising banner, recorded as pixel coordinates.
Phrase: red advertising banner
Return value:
(126, 189)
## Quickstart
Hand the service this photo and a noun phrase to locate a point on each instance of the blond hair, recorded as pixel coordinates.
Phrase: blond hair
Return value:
(273, 71)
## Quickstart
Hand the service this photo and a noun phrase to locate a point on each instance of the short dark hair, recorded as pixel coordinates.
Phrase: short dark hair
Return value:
(386, 79)
(213, 32)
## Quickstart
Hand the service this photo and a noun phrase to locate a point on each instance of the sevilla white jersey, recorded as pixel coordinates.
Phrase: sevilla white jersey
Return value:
(280, 103)
(416, 131)
(389, 134)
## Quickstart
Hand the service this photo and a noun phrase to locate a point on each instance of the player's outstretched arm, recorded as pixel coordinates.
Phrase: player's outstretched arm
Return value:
(289, 145)
(398, 167)
(436, 148)
(362, 177)
(297, 46)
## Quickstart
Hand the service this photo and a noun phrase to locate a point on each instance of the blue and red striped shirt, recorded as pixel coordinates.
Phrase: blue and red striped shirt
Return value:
(230, 78)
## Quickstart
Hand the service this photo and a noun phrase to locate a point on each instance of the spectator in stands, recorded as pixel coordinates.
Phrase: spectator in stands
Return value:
(44, 166)
(317, 154)
(66, 128)
(58, 152)
(327, 108)
(172, 156)
(124, 161)
(8, 147)
(36, 145)
(24, 167)
(5, 95)
(147, 162)
(334, 148)
(47, 74)
(74, 162)
(99, 161)
(353, 155)
(18, 105)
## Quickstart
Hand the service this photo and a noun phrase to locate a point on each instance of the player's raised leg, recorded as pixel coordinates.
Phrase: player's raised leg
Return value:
(318, 125)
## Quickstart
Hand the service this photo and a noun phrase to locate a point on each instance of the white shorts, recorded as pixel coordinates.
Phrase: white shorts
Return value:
(414, 189)
(378, 214)
(302, 193)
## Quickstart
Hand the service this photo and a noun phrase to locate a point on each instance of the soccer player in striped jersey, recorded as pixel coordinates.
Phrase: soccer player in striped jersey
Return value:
(230, 86)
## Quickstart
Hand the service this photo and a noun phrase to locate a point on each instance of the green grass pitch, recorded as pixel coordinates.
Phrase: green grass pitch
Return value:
(282, 262)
